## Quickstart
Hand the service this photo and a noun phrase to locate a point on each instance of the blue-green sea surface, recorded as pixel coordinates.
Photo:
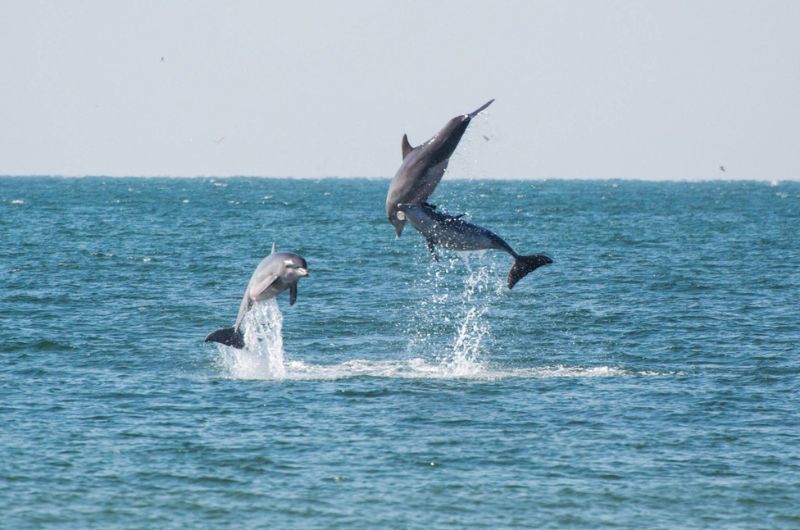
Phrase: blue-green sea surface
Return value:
(648, 378)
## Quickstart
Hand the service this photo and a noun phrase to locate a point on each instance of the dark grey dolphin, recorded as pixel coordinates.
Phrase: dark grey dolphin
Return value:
(450, 231)
(423, 166)
(276, 273)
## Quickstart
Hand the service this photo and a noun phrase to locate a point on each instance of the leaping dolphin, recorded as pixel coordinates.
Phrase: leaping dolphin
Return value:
(450, 231)
(276, 273)
(423, 166)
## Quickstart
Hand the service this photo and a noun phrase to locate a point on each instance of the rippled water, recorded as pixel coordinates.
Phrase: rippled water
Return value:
(649, 377)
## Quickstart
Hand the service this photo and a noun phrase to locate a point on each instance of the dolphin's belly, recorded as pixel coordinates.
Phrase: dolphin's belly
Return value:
(452, 239)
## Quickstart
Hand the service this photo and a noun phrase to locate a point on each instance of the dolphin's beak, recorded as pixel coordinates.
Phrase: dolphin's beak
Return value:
(302, 271)
(481, 109)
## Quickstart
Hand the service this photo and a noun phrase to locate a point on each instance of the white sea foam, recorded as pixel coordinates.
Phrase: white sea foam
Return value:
(420, 369)
(249, 365)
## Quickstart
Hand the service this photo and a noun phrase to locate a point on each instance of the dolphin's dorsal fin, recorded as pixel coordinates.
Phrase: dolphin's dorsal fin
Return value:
(447, 218)
(274, 248)
(406, 146)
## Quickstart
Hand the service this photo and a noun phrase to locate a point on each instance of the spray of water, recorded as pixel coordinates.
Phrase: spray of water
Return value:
(262, 356)
(450, 325)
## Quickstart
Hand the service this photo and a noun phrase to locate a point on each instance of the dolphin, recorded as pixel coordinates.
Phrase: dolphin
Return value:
(276, 273)
(450, 231)
(423, 166)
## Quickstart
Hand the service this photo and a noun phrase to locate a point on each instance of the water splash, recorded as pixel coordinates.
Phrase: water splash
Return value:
(467, 345)
(450, 325)
(262, 356)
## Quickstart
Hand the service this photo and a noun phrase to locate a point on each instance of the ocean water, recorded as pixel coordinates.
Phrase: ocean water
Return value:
(648, 378)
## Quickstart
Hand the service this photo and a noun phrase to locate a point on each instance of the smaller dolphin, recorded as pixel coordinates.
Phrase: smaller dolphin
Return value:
(276, 273)
(423, 166)
(450, 231)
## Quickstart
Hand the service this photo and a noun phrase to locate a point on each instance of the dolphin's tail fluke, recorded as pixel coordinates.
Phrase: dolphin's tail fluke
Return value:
(524, 265)
(227, 336)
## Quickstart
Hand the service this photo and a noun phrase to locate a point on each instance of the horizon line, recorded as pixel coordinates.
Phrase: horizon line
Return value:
(365, 177)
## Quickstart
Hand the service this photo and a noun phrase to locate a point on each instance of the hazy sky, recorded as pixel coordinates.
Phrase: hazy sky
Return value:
(589, 89)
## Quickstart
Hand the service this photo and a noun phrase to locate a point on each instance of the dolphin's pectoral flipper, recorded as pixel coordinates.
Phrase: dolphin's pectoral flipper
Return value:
(525, 264)
(227, 336)
(292, 294)
(406, 146)
(260, 287)
(432, 249)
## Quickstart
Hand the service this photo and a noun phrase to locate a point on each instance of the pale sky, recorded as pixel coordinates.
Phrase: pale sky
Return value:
(584, 89)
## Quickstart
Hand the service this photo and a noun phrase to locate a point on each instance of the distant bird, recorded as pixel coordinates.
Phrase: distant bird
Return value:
(219, 140)
(162, 59)
(722, 168)
(485, 137)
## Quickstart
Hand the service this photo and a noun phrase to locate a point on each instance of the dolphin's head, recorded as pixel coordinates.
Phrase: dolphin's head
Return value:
(448, 137)
(294, 267)
(452, 132)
